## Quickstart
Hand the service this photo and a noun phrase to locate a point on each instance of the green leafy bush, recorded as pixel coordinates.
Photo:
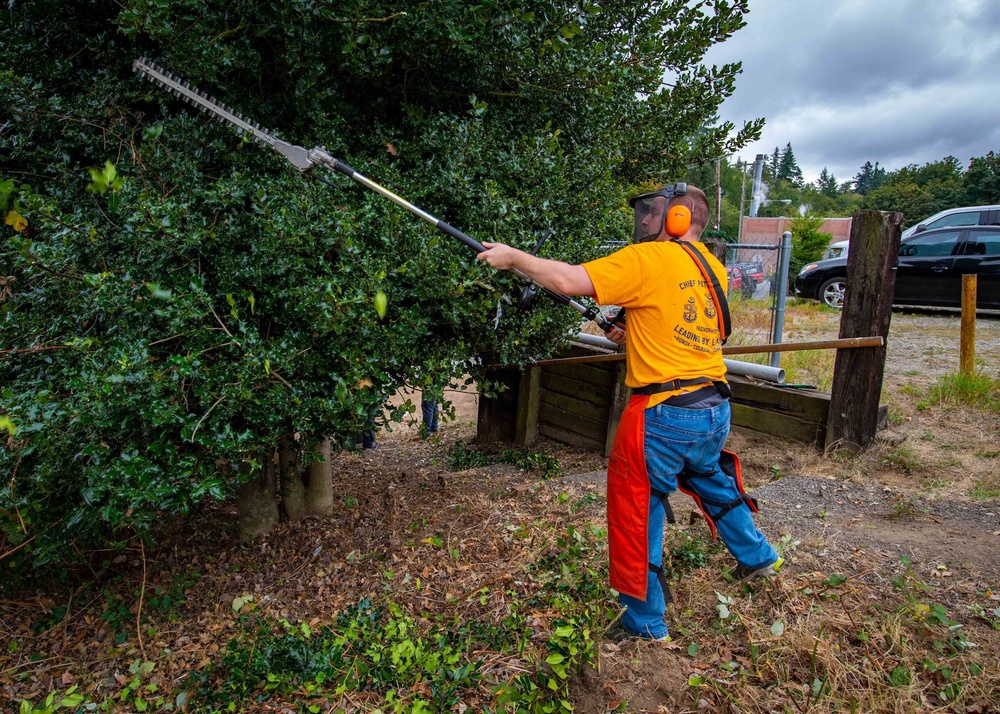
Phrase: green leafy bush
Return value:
(176, 301)
(808, 242)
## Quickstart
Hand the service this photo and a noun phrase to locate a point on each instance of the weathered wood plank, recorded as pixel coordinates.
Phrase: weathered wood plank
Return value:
(619, 399)
(495, 422)
(578, 407)
(603, 358)
(567, 385)
(526, 421)
(783, 425)
(871, 283)
(591, 428)
(811, 406)
(567, 436)
(600, 375)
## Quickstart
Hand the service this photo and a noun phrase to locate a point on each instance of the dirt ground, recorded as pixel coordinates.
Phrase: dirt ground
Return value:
(932, 504)
(928, 490)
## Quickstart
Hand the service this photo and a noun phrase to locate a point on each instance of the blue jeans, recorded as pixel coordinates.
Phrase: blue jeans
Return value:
(676, 439)
(430, 413)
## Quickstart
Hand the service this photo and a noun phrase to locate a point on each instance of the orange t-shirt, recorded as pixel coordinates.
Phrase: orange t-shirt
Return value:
(672, 331)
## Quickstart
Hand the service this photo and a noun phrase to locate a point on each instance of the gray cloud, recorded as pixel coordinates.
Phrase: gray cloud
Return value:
(894, 81)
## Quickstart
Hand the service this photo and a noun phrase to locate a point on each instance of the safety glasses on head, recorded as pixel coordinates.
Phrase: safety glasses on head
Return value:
(652, 216)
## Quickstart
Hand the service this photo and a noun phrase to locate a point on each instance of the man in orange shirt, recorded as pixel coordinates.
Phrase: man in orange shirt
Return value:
(677, 421)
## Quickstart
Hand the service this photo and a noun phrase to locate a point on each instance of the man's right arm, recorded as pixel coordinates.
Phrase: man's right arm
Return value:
(552, 274)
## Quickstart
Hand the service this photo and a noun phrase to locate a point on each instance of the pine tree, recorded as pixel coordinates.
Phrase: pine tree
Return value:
(775, 162)
(788, 168)
(827, 184)
(869, 178)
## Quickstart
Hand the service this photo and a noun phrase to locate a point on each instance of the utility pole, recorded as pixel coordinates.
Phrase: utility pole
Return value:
(743, 196)
(718, 191)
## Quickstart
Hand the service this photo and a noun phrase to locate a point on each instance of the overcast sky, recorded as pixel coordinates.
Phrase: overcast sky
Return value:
(849, 81)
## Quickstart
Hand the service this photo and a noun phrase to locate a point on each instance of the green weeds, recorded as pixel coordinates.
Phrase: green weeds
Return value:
(70, 700)
(904, 506)
(689, 554)
(902, 458)
(971, 390)
(462, 457)
(985, 491)
(168, 602)
(396, 662)
(810, 367)
(367, 649)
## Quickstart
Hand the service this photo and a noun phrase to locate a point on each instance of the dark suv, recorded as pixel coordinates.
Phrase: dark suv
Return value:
(929, 270)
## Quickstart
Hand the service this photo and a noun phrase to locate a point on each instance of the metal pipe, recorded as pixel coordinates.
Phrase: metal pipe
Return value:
(755, 192)
(319, 157)
(744, 369)
(596, 340)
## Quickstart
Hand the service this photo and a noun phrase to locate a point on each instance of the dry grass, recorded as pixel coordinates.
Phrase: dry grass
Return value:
(883, 638)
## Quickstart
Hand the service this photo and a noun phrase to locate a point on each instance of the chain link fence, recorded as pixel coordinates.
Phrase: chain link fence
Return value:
(758, 278)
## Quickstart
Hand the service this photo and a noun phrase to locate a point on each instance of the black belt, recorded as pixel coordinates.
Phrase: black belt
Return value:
(673, 385)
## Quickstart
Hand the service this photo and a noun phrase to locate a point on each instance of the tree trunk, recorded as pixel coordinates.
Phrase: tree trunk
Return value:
(319, 494)
(309, 494)
(293, 490)
(256, 504)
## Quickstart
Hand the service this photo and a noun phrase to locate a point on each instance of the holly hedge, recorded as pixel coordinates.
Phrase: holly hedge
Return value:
(178, 305)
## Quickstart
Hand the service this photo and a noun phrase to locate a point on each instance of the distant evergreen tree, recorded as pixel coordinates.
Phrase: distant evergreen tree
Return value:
(869, 178)
(827, 184)
(982, 180)
(920, 191)
(788, 168)
(775, 162)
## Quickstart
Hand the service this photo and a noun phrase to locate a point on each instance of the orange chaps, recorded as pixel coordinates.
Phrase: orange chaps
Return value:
(628, 500)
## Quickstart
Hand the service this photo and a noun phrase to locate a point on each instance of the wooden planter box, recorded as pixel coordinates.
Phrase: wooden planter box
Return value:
(580, 403)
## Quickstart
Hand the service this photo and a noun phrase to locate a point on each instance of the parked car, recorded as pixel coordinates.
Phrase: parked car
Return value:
(735, 276)
(752, 269)
(837, 250)
(954, 217)
(929, 270)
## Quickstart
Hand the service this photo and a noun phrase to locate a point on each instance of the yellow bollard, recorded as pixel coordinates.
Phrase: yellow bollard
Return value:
(967, 344)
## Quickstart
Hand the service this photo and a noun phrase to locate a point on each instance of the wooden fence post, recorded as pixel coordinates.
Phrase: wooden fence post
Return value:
(526, 421)
(967, 342)
(857, 373)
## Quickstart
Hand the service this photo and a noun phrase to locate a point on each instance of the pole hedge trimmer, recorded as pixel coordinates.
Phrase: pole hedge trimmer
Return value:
(305, 159)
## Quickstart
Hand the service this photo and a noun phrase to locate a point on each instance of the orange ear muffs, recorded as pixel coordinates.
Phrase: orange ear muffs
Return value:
(678, 221)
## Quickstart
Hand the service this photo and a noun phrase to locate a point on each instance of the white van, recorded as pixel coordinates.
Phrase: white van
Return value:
(836, 250)
(965, 216)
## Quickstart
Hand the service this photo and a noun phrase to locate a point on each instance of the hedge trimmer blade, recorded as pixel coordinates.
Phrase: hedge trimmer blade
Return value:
(297, 155)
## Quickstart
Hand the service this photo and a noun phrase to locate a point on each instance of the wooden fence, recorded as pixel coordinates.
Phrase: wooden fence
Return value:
(578, 399)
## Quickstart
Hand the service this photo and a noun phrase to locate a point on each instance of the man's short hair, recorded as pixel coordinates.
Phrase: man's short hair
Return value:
(699, 207)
